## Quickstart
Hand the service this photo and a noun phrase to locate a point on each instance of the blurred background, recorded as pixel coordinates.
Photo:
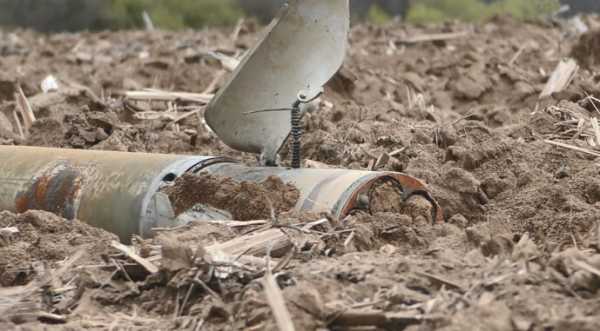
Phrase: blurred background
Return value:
(73, 15)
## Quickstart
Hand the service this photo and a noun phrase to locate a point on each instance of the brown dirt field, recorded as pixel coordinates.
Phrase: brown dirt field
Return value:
(520, 249)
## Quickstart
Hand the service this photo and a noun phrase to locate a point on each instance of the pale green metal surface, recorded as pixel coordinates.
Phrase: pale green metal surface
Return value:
(114, 189)
(302, 49)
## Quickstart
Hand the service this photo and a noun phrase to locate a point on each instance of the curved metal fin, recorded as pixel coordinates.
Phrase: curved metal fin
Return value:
(302, 49)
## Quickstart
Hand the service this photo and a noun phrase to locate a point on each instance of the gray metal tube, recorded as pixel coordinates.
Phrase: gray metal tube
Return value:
(111, 190)
(120, 192)
(334, 191)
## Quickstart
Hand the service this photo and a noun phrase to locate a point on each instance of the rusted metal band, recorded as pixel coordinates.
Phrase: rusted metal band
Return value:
(56, 189)
(410, 186)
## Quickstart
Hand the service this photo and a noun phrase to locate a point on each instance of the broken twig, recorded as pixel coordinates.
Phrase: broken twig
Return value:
(237, 224)
(277, 303)
(157, 95)
(24, 108)
(434, 37)
(571, 147)
(128, 251)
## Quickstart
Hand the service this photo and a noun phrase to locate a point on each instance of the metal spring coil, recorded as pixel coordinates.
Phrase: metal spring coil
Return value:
(296, 134)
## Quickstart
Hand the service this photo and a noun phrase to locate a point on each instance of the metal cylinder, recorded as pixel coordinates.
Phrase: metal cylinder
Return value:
(120, 192)
(335, 191)
(111, 190)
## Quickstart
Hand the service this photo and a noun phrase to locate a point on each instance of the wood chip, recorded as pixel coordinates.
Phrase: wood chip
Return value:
(256, 243)
(561, 77)
(128, 251)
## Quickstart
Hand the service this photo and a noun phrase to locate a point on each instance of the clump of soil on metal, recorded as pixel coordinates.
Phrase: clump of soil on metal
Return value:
(244, 200)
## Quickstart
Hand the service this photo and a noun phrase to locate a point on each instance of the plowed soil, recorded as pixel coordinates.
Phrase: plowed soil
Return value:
(520, 249)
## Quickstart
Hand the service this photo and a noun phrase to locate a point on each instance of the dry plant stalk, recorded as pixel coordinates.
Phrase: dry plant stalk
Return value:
(571, 147)
(277, 303)
(20, 130)
(561, 77)
(434, 37)
(596, 128)
(20, 300)
(128, 251)
(158, 95)
(256, 243)
(24, 108)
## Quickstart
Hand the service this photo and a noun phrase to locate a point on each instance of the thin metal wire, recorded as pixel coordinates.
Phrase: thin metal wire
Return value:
(296, 125)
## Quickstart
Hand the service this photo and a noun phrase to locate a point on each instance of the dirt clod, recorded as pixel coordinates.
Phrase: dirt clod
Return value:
(245, 201)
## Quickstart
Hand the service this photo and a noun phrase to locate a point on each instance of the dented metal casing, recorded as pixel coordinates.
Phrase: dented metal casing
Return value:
(334, 191)
(300, 51)
(120, 192)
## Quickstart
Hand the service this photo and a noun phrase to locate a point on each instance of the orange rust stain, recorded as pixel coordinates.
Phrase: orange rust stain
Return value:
(41, 189)
(68, 191)
(21, 204)
(417, 185)
(410, 182)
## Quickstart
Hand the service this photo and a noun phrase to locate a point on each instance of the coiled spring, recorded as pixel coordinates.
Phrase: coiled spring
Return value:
(296, 134)
(296, 124)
